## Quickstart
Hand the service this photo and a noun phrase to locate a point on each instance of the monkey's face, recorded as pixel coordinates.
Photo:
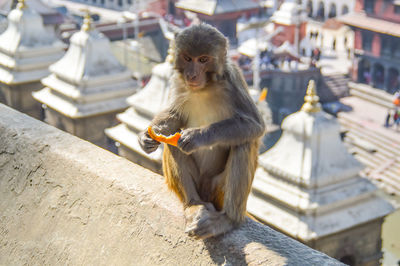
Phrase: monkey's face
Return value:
(200, 55)
(195, 69)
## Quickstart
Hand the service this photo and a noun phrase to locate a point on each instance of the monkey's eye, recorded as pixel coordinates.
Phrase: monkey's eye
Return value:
(203, 59)
(187, 58)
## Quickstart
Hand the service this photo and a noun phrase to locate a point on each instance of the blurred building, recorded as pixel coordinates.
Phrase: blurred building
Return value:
(308, 186)
(292, 19)
(26, 51)
(51, 17)
(86, 88)
(223, 14)
(376, 24)
(119, 4)
(325, 9)
(282, 70)
(144, 105)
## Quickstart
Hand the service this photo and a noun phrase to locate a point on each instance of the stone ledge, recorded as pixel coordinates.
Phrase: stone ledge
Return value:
(66, 201)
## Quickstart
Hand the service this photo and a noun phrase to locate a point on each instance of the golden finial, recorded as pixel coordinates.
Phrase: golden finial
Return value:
(311, 100)
(170, 56)
(21, 4)
(87, 21)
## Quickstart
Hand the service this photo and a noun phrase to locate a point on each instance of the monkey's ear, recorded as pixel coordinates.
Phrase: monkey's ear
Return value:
(176, 33)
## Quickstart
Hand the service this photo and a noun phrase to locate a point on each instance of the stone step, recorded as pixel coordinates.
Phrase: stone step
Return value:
(389, 141)
(383, 164)
(371, 94)
(364, 157)
(387, 176)
(353, 138)
(370, 98)
(337, 83)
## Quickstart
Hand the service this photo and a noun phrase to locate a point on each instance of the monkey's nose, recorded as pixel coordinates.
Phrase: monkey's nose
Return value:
(191, 77)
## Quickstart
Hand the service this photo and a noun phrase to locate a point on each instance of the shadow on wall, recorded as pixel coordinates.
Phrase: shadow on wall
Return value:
(2, 97)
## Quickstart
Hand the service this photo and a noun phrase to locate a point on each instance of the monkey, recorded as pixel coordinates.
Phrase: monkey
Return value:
(211, 169)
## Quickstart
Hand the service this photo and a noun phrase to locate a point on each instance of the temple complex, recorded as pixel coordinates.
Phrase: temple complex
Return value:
(308, 186)
(51, 17)
(26, 51)
(87, 87)
(376, 43)
(144, 105)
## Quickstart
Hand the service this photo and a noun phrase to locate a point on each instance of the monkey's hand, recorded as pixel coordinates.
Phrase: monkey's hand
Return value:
(190, 140)
(148, 144)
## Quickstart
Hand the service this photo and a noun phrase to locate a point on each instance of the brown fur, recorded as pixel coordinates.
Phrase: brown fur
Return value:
(212, 169)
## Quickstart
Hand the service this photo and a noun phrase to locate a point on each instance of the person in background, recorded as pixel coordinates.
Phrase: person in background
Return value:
(387, 119)
(396, 118)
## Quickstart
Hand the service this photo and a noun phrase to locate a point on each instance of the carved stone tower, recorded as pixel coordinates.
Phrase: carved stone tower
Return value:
(87, 87)
(26, 51)
(144, 105)
(308, 187)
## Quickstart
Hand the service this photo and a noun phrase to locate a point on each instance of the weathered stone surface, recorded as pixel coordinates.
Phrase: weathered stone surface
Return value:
(66, 201)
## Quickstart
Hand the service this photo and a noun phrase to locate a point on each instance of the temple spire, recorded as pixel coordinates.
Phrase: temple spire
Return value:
(311, 100)
(87, 21)
(21, 4)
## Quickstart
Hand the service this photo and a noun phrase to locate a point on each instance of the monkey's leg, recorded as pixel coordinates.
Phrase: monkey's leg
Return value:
(239, 173)
(181, 173)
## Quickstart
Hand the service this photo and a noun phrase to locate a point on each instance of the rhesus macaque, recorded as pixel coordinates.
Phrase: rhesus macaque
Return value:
(212, 168)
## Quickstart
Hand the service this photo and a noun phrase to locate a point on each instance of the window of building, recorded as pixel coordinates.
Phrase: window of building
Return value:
(332, 11)
(367, 40)
(345, 10)
(321, 11)
(309, 8)
(396, 47)
(129, 2)
(369, 6)
(386, 46)
(397, 9)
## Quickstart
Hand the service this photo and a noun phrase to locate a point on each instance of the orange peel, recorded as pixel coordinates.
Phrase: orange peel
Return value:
(171, 140)
(263, 95)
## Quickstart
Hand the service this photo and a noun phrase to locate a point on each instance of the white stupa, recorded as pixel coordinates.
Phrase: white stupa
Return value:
(87, 87)
(144, 106)
(308, 187)
(26, 51)
(289, 13)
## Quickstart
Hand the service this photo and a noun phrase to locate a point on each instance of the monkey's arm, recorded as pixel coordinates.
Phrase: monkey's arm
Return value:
(165, 123)
(234, 131)
(241, 128)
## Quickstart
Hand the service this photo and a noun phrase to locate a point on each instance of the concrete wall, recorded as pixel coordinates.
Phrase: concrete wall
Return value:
(66, 201)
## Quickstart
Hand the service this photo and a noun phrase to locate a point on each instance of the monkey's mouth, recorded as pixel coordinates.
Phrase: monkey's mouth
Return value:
(195, 85)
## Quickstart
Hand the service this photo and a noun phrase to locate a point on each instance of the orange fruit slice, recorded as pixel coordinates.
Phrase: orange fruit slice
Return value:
(171, 140)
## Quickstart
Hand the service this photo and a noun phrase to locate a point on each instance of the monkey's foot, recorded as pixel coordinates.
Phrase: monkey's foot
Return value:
(193, 212)
(207, 224)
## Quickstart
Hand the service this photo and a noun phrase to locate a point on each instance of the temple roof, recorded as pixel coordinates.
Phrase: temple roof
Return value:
(145, 104)
(308, 184)
(88, 80)
(289, 13)
(88, 58)
(26, 47)
(362, 21)
(49, 15)
(332, 24)
(213, 7)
